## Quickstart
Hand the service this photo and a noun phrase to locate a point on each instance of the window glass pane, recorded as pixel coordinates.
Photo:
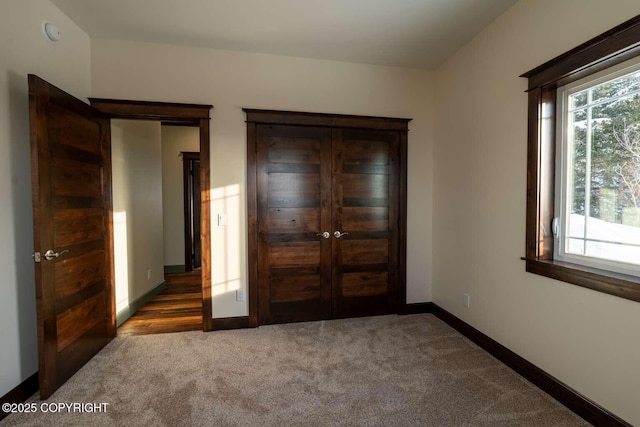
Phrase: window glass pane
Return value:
(578, 155)
(604, 163)
(617, 87)
(578, 100)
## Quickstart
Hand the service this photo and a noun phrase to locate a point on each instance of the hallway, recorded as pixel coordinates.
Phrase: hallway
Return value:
(177, 308)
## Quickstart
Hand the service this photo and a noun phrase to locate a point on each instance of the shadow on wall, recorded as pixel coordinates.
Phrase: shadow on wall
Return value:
(20, 170)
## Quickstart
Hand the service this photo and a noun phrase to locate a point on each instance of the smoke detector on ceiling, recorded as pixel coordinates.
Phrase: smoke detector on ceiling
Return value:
(50, 31)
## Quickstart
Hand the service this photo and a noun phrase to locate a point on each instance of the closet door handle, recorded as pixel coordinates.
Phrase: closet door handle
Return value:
(326, 234)
(339, 234)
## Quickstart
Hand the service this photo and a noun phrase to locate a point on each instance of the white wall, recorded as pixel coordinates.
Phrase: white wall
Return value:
(175, 139)
(23, 50)
(588, 340)
(136, 156)
(232, 80)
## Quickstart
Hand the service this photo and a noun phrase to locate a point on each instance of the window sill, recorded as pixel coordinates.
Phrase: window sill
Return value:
(620, 285)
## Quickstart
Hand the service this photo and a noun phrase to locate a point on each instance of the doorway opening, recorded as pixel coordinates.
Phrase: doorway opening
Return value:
(194, 287)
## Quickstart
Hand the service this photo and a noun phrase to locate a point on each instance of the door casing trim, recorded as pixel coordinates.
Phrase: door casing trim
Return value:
(197, 115)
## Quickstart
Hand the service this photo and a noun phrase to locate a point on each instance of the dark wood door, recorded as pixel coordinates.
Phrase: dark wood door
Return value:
(192, 218)
(72, 218)
(366, 191)
(294, 206)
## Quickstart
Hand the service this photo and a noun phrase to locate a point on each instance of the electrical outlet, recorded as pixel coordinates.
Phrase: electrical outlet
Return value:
(240, 295)
(467, 300)
(149, 274)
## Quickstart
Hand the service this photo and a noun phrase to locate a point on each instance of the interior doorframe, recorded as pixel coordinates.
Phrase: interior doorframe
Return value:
(197, 115)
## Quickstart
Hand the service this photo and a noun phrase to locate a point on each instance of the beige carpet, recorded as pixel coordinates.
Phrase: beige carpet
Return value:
(375, 371)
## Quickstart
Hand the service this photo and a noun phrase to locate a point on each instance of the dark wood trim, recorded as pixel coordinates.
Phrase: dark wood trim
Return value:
(620, 285)
(186, 114)
(226, 323)
(252, 222)
(324, 120)
(167, 112)
(187, 194)
(20, 393)
(417, 308)
(205, 222)
(402, 223)
(582, 406)
(610, 48)
(616, 42)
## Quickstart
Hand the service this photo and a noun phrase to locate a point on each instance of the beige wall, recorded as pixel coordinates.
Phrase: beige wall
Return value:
(23, 50)
(136, 156)
(586, 339)
(232, 80)
(175, 139)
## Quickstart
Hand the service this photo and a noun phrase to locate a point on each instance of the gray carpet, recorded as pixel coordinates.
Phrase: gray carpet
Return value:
(376, 371)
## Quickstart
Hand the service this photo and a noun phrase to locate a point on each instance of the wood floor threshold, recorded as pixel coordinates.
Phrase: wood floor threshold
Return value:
(178, 308)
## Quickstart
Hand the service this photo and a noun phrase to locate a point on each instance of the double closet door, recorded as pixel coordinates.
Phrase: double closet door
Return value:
(329, 227)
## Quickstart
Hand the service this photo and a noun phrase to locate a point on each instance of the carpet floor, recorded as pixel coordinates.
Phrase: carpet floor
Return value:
(374, 371)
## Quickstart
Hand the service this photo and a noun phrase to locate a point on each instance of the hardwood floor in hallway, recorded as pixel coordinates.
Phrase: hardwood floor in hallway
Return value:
(177, 308)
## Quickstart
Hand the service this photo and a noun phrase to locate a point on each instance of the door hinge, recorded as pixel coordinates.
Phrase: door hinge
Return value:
(36, 257)
(555, 228)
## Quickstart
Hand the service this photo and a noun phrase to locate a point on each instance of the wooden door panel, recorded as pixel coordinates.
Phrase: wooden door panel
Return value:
(363, 252)
(291, 288)
(84, 134)
(71, 181)
(294, 220)
(365, 186)
(365, 197)
(294, 187)
(364, 218)
(71, 177)
(365, 284)
(77, 226)
(77, 273)
(366, 152)
(297, 150)
(294, 254)
(74, 322)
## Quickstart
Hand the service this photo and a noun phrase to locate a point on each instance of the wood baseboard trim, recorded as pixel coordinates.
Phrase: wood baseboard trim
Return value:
(417, 308)
(20, 393)
(140, 302)
(226, 323)
(582, 406)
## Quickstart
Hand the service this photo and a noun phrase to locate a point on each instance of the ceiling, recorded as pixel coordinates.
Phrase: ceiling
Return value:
(404, 33)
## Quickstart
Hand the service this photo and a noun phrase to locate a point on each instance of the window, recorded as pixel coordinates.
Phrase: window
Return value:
(597, 204)
(583, 167)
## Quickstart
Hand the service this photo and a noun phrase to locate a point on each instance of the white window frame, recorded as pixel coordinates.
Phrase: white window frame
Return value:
(564, 175)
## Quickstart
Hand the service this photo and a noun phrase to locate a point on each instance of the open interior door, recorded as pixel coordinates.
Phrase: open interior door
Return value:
(72, 228)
